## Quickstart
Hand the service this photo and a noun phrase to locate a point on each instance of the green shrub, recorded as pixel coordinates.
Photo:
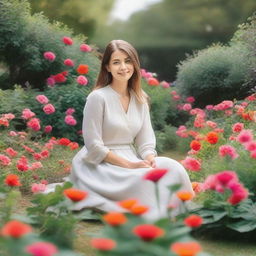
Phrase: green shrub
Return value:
(214, 74)
(24, 39)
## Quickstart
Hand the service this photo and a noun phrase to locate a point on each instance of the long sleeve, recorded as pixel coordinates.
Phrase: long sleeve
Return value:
(145, 140)
(92, 129)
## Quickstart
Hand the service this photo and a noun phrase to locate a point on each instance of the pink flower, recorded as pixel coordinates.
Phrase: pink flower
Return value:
(11, 152)
(37, 156)
(4, 160)
(69, 62)
(209, 183)
(48, 109)
(190, 99)
(245, 136)
(85, 48)
(176, 97)
(13, 133)
(82, 80)
(211, 124)
(67, 40)
(226, 150)
(27, 113)
(36, 188)
(50, 81)
(70, 111)
(47, 128)
(49, 56)
(34, 124)
(239, 193)
(191, 164)
(164, 84)
(209, 107)
(42, 99)
(253, 154)
(224, 105)
(237, 127)
(42, 249)
(70, 120)
(146, 74)
(187, 107)
(250, 146)
(36, 165)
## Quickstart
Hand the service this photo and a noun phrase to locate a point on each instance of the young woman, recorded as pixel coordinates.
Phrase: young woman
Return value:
(120, 142)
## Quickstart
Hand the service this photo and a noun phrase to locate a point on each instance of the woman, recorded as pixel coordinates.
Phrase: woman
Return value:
(119, 140)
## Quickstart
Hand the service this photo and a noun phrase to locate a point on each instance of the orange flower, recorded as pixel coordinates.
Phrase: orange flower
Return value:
(82, 69)
(103, 244)
(193, 221)
(15, 229)
(128, 203)
(197, 186)
(186, 248)
(12, 180)
(73, 145)
(148, 232)
(139, 209)
(75, 194)
(184, 195)
(153, 81)
(212, 137)
(195, 145)
(115, 218)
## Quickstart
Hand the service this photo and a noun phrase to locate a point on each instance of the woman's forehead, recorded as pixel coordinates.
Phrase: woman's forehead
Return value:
(118, 54)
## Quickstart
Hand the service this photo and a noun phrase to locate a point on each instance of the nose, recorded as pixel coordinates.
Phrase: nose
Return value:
(123, 65)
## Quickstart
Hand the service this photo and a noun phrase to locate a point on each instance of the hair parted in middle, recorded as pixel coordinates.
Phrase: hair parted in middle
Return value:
(105, 77)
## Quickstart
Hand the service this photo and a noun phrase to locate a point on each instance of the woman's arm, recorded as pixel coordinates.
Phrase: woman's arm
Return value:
(114, 159)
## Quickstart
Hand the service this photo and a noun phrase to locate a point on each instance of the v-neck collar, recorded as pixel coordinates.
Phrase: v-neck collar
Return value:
(120, 104)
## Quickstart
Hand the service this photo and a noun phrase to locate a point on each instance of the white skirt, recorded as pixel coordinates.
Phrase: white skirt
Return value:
(107, 184)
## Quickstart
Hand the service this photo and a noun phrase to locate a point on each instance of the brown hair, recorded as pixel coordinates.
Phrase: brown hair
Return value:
(105, 77)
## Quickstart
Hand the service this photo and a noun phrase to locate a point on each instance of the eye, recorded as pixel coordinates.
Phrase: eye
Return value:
(128, 61)
(116, 62)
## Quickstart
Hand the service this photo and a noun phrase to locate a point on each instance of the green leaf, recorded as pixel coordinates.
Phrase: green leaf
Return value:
(243, 225)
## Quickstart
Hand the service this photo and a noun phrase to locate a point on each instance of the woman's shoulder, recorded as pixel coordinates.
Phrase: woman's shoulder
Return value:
(98, 93)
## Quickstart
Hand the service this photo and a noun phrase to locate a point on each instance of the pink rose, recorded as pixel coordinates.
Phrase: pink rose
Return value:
(69, 62)
(34, 124)
(47, 128)
(42, 99)
(82, 80)
(67, 40)
(49, 56)
(48, 109)
(70, 111)
(70, 120)
(27, 113)
(85, 48)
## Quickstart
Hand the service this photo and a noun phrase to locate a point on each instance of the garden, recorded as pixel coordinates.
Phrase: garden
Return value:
(205, 119)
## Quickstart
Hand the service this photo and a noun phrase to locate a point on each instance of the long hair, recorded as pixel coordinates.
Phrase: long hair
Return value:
(105, 77)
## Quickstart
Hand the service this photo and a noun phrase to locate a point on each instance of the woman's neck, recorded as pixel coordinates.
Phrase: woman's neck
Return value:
(120, 88)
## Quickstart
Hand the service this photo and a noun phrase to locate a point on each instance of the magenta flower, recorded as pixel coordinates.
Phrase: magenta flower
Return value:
(245, 136)
(49, 56)
(27, 113)
(82, 80)
(187, 107)
(190, 99)
(250, 146)
(48, 109)
(69, 62)
(70, 120)
(47, 128)
(36, 188)
(42, 99)
(227, 150)
(50, 81)
(67, 40)
(85, 48)
(155, 175)
(42, 249)
(11, 152)
(4, 160)
(237, 127)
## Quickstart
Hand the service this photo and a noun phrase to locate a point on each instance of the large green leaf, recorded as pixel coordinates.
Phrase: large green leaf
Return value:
(243, 225)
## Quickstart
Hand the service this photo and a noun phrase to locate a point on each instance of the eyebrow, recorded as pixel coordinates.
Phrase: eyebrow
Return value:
(128, 58)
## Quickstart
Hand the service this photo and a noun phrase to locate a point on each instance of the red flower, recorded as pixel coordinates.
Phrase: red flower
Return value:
(75, 194)
(73, 145)
(12, 180)
(153, 81)
(103, 244)
(148, 232)
(42, 249)
(82, 69)
(186, 248)
(59, 78)
(193, 221)
(67, 40)
(195, 145)
(15, 229)
(212, 137)
(155, 175)
(64, 141)
(115, 218)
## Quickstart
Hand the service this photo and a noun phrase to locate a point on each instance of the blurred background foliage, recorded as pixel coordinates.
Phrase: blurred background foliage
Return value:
(163, 33)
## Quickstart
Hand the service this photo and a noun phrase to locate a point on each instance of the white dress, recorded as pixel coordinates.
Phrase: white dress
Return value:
(106, 126)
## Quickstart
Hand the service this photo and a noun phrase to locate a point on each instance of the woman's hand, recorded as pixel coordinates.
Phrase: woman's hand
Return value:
(140, 164)
(151, 160)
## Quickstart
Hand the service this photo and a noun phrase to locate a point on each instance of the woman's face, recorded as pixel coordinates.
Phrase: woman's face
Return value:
(120, 66)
